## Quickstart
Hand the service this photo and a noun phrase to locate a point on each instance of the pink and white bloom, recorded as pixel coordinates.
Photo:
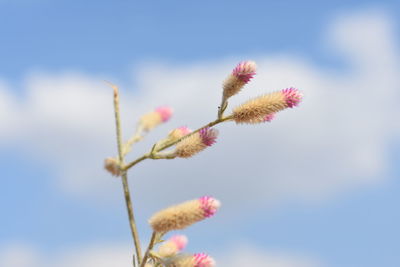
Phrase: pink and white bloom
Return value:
(185, 214)
(196, 143)
(245, 70)
(292, 96)
(203, 260)
(239, 77)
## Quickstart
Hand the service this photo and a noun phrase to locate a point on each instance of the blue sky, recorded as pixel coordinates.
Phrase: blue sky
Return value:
(166, 52)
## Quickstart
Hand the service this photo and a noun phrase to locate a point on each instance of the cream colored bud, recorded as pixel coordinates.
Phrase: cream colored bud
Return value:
(112, 165)
(183, 215)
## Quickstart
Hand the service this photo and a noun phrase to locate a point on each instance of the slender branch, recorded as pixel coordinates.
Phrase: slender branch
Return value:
(162, 147)
(149, 248)
(131, 216)
(136, 137)
(124, 177)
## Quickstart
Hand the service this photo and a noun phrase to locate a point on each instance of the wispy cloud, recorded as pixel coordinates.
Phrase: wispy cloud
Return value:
(337, 140)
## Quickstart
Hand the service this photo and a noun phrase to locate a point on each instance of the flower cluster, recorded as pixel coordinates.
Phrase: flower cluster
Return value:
(185, 143)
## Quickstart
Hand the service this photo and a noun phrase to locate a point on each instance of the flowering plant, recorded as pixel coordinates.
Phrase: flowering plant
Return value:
(186, 144)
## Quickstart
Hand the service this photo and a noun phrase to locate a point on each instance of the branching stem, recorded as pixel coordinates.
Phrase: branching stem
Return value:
(149, 248)
(124, 177)
(162, 147)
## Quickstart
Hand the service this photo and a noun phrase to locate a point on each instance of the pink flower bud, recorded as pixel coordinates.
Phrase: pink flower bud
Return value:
(208, 136)
(292, 96)
(245, 70)
(152, 119)
(179, 133)
(203, 260)
(165, 113)
(172, 246)
(240, 75)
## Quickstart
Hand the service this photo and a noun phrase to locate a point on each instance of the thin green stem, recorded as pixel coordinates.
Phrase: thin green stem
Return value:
(124, 177)
(149, 248)
(165, 146)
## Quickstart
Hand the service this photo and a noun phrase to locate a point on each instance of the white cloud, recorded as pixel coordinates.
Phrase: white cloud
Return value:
(107, 255)
(245, 255)
(336, 140)
(18, 255)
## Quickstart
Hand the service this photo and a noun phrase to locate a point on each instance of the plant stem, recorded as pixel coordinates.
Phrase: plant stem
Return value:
(131, 216)
(124, 177)
(145, 156)
(149, 248)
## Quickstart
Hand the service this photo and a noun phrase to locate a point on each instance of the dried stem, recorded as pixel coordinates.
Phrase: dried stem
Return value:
(162, 147)
(124, 177)
(149, 248)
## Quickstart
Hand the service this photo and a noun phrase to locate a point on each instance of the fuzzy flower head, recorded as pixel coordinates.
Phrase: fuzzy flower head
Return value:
(292, 97)
(196, 260)
(245, 71)
(203, 260)
(112, 166)
(260, 109)
(172, 246)
(240, 75)
(183, 215)
(208, 136)
(155, 118)
(195, 143)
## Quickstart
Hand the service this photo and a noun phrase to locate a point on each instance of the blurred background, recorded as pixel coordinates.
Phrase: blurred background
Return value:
(318, 186)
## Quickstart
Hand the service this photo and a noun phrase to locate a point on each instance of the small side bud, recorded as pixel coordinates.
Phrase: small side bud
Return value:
(164, 112)
(240, 75)
(112, 166)
(195, 143)
(172, 246)
(183, 215)
(155, 118)
(258, 109)
(178, 133)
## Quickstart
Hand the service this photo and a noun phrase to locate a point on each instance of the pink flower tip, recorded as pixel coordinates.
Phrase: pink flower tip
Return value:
(269, 117)
(208, 136)
(184, 130)
(245, 70)
(180, 241)
(165, 112)
(209, 205)
(203, 260)
(292, 96)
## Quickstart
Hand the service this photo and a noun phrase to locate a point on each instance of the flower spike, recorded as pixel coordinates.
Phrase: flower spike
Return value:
(240, 75)
(258, 109)
(183, 215)
(195, 143)
(155, 118)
